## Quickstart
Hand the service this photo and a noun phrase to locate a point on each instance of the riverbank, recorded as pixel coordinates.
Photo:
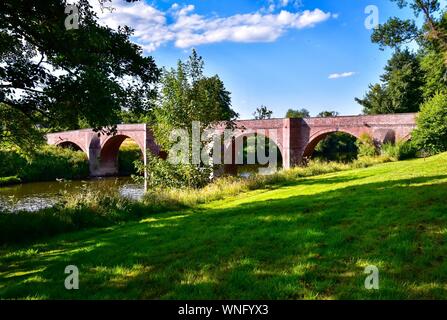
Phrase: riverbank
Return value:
(310, 238)
(9, 181)
(51, 163)
(100, 208)
(47, 163)
(35, 196)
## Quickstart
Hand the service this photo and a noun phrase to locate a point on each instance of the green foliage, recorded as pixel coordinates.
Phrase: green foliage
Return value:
(400, 89)
(401, 150)
(129, 154)
(338, 146)
(164, 174)
(431, 132)
(88, 210)
(187, 95)
(435, 73)
(47, 163)
(366, 146)
(66, 77)
(262, 113)
(17, 130)
(7, 181)
(298, 114)
(326, 114)
(397, 32)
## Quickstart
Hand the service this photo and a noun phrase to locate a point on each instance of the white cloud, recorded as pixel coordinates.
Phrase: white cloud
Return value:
(341, 75)
(186, 29)
(280, 4)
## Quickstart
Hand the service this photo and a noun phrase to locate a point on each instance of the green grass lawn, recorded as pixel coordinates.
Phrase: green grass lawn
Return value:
(308, 240)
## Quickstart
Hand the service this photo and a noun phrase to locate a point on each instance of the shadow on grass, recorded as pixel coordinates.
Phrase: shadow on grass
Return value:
(301, 247)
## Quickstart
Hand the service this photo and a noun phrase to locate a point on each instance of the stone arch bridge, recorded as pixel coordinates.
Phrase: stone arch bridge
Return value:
(295, 138)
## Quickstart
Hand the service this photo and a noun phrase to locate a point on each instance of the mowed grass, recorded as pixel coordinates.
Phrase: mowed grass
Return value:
(310, 239)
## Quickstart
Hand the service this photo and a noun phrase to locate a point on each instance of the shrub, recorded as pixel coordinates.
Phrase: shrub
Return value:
(400, 150)
(6, 181)
(11, 161)
(45, 164)
(163, 174)
(366, 146)
(431, 132)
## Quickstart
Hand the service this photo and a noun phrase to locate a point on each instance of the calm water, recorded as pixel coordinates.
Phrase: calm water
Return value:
(39, 195)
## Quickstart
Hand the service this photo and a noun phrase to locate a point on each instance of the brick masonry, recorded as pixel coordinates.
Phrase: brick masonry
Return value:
(295, 138)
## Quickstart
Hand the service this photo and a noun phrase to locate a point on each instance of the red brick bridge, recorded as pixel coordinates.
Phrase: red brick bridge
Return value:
(295, 138)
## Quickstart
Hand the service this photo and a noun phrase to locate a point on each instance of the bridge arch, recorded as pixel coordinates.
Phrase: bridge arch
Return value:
(68, 144)
(239, 143)
(109, 151)
(320, 135)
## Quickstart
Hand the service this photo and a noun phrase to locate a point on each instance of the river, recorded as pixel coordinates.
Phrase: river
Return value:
(39, 195)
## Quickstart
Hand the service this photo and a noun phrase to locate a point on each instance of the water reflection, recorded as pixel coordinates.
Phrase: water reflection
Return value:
(39, 195)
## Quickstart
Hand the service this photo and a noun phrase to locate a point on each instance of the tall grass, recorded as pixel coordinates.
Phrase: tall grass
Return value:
(99, 208)
(401, 150)
(230, 186)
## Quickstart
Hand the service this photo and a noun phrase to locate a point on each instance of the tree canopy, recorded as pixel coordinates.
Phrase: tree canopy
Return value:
(326, 114)
(57, 78)
(188, 95)
(400, 89)
(397, 32)
(262, 113)
(299, 113)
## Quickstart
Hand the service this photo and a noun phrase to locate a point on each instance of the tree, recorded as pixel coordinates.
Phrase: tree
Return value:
(262, 113)
(397, 32)
(188, 95)
(435, 72)
(58, 78)
(375, 100)
(326, 114)
(400, 89)
(431, 131)
(297, 114)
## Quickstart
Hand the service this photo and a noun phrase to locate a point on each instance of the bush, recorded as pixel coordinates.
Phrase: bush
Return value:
(431, 132)
(11, 161)
(7, 181)
(163, 174)
(400, 150)
(45, 164)
(366, 146)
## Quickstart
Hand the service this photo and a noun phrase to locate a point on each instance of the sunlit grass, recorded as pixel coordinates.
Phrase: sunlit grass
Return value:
(308, 238)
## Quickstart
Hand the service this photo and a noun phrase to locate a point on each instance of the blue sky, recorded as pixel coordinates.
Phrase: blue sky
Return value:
(280, 53)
